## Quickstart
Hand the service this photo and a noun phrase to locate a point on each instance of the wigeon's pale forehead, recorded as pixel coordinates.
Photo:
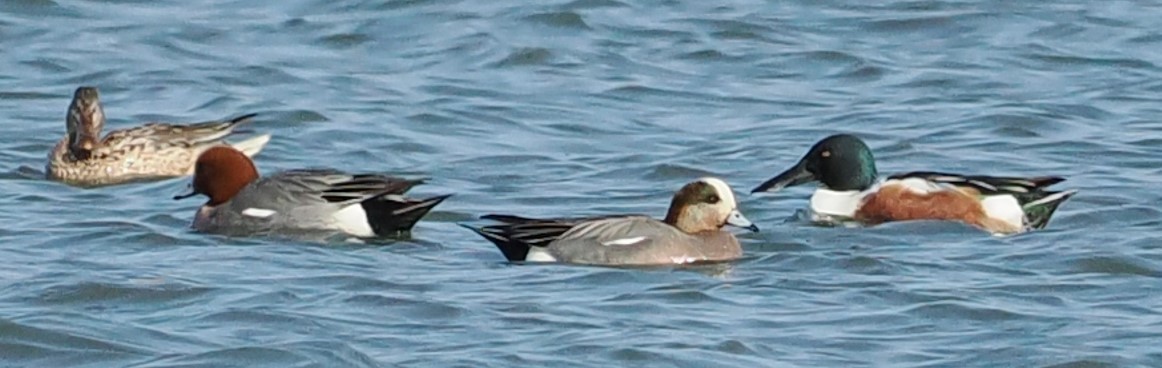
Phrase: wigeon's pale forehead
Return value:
(723, 190)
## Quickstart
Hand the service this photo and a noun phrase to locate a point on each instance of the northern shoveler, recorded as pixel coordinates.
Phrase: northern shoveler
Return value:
(240, 203)
(151, 152)
(691, 232)
(851, 190)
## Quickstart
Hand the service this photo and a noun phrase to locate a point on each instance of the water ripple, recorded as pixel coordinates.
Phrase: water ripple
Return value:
(587, 107)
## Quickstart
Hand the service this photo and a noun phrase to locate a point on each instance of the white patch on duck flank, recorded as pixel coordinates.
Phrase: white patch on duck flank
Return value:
(537, 254)
(258, 212)
(1005, 208)
(918, 185)
(684, 259)
(624, 241)
(353, 220)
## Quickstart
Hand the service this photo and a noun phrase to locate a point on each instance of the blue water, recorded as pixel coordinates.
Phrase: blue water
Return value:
(564, 108)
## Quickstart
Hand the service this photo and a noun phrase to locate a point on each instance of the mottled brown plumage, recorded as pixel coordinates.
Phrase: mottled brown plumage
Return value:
(150, 152)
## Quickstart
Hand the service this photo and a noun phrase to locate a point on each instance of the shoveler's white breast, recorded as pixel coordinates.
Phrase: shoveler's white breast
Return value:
(837, 203)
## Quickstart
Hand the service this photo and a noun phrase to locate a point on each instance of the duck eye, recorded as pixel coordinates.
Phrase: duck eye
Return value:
(825, 154)
(713, 198)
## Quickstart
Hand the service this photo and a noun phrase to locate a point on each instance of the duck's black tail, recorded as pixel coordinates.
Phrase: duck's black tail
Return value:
(1039, 206)
(514, 250)
(390, 215)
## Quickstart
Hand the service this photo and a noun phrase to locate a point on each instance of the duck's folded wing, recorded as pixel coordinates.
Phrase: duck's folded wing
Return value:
(621, 240)
(527, 231)
(181, 135)
(986, 185)
(323, 186)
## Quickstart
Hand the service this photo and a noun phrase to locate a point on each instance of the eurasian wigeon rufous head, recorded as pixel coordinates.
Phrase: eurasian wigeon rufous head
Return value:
(706, 204)
(220, 173)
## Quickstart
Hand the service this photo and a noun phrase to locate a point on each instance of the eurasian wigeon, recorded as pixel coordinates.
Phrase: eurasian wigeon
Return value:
(241, 203)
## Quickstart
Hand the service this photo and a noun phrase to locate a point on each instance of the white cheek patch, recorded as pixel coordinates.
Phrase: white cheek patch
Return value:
(624, 241)
(258, 212)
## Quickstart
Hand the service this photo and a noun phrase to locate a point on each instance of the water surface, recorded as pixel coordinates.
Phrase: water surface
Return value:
(580, 107)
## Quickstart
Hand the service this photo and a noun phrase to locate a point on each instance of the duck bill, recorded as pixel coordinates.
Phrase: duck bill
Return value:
(190, 193)
(84, 144)
(736, 219)
(184, 196)
(794, 176)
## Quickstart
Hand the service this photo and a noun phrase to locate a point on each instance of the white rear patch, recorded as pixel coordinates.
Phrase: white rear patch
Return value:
(353, 220)
(537, 254)
(258, 212)
(624, 241)
(1004, 208)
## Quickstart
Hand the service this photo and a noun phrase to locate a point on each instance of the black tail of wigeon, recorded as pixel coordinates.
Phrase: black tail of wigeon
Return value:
(519, 234)
(392, 214)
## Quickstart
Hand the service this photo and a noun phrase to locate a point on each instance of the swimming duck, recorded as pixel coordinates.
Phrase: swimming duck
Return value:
(150, 152)
(240, 203)
(851, 191)
(691, 232)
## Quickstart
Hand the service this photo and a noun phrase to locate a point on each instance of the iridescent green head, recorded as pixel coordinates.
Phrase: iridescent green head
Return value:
(840, 162)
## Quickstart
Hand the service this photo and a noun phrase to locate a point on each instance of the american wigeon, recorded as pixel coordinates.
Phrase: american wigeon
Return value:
(691, 232)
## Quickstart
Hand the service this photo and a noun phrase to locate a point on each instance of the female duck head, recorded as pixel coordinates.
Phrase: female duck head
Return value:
(85, 121)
